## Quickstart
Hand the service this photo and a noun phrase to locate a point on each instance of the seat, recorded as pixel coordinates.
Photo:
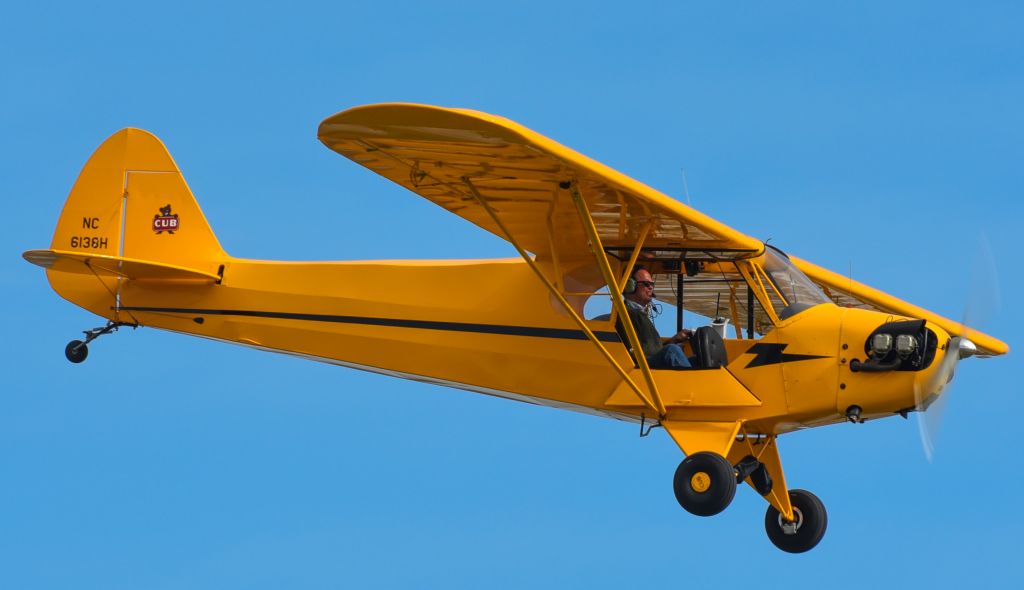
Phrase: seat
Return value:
(708, 348)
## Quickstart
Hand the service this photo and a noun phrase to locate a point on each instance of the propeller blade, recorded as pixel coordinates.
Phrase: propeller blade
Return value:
(931, 403)
(982, 303)
(983, 295)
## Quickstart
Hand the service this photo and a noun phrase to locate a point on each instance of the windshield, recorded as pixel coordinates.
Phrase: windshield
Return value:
(798, 291)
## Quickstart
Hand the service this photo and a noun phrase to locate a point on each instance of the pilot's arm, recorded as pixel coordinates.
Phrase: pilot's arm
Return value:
(681, 336)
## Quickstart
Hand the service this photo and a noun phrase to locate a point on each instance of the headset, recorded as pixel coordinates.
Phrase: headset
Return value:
(631, 283)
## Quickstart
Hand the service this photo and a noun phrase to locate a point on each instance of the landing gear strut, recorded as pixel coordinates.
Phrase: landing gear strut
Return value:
(750, 467)
(77, 350)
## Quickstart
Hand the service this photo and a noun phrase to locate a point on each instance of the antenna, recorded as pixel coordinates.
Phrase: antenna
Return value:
(851, 277)
(686, 187)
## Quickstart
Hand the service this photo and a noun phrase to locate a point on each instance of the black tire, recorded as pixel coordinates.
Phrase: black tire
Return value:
(812, 520)
(76, 351)
(705, 484)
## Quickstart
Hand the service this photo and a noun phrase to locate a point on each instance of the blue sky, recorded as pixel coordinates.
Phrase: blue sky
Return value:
(872, 137)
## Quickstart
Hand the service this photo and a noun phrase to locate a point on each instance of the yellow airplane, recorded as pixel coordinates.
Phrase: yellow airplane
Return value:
(790, 345)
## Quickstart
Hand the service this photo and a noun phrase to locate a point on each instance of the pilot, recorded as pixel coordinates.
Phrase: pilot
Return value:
(638, 294)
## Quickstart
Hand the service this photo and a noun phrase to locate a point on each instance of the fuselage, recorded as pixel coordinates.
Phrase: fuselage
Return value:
(509, 339)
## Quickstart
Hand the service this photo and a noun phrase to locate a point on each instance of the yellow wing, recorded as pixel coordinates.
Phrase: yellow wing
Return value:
(446, 154)
(523, 175)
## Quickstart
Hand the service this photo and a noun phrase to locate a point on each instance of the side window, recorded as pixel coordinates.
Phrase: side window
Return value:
(598, 306)
(720, 292)
(717, 291)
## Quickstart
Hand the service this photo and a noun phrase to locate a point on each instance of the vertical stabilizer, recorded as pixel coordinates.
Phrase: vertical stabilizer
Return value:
(130, 202)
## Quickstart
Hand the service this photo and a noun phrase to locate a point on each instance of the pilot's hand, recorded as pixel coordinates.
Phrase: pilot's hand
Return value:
(682, 336)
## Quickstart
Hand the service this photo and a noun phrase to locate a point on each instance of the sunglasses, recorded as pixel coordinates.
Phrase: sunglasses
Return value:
(649, 284)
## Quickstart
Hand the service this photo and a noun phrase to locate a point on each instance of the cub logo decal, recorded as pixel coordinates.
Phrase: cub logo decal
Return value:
(165, 221)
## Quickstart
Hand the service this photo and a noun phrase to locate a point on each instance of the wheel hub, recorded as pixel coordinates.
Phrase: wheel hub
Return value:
(700, 482)
(790, 527)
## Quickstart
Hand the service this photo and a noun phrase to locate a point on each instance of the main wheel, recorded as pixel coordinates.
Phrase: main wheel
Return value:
(705, 484)
(76, 351)
(804, 533)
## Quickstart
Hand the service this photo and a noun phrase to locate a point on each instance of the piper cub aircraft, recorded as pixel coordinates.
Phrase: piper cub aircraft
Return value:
(790, 346)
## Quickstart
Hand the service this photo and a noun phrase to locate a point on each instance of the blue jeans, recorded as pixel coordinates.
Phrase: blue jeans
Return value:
(671, 356)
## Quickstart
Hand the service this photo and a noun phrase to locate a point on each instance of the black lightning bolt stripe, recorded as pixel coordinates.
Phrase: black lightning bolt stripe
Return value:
(771, 354)
(564, 333)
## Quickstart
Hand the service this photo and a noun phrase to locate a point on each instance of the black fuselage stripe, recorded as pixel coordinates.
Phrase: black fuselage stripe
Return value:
(563, 333)
(766, 353)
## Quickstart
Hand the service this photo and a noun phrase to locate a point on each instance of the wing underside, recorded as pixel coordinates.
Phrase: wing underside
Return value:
(447, 155)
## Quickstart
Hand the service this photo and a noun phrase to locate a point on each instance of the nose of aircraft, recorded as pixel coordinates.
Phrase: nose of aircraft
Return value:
(930, 384)
(966, 348)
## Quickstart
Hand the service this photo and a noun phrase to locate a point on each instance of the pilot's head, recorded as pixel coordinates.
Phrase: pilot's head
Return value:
(642, 284)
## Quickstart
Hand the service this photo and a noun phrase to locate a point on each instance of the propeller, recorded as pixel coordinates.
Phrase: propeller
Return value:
(983, 300)
(930, 398)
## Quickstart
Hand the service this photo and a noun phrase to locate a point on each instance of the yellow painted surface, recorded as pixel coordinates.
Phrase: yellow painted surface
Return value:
(114, 266)
(712, 388)
(132, 245)
(696, 437)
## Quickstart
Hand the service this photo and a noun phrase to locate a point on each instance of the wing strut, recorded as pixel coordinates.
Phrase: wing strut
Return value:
(616, 294)
(658, 407)
(646, 229)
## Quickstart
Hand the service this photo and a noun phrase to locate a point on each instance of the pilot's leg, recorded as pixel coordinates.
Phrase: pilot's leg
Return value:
(671, 356)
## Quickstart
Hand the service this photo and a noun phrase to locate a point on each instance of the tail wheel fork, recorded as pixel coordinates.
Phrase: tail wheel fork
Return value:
(77, 350)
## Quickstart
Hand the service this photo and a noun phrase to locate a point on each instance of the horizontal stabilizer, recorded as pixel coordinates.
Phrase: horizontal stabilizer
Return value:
(114, 266)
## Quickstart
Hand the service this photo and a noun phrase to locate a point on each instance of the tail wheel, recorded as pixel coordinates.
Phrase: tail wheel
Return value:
(807, 528)
(76, 351)
(705, 484)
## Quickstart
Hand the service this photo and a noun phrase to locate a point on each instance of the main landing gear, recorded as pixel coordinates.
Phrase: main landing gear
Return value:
(705, 484)
(803, 533)
(77, 350)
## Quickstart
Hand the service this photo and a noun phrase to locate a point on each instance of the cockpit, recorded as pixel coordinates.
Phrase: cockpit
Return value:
(740, 297)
